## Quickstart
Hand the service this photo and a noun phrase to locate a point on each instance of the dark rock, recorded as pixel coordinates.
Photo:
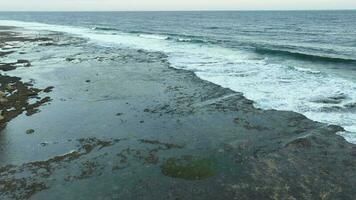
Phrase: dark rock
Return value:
(299, 143)
(30, 131)
(48, 89)
(70, 59)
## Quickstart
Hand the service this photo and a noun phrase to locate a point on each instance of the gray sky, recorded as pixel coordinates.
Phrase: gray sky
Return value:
(100, 5)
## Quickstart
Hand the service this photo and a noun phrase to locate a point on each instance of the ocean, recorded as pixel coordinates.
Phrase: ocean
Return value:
(301, 61)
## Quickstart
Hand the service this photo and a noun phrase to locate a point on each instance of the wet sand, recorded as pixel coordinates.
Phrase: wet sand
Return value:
(115, 123)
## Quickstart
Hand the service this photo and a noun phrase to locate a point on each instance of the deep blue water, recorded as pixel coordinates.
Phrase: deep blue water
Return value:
(304, 61)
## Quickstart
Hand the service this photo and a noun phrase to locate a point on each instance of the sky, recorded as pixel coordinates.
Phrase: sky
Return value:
(162, 5)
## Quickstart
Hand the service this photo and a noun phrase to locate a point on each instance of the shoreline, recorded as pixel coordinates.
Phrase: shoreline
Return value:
(331, 102)
(167, 131)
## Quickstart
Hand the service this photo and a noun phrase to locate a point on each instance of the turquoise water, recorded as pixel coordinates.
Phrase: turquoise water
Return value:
(302, 61)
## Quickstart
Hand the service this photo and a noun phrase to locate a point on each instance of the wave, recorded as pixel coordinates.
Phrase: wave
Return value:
(154, 36)
(304, 56)
(139, 32)
(212, 27)
(175, 38)
(307, 70)
(191, 40)
(105, 29)
(172, 37)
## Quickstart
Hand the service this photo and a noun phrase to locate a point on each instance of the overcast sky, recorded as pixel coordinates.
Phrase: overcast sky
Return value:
(101, 5)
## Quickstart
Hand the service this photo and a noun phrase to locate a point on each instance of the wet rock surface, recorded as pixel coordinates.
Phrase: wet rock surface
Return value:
(188, 168)
(140, 129)
(16, 94)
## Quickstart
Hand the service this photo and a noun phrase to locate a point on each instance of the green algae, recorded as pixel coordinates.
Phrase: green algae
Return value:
(189, 168)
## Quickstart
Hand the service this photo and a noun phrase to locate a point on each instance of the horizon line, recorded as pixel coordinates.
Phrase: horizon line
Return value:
(193, 10)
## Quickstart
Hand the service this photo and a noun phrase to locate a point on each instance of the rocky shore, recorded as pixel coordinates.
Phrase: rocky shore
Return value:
(15, 95)
(123, 124)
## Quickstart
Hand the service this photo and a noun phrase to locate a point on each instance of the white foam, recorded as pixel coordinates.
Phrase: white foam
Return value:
(271, 86)
(307, 70)
(184, 40)
(152, 36)
(349, 136)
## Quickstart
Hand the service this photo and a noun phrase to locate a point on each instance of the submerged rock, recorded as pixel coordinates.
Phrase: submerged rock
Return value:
(188, 168)
(30, 131)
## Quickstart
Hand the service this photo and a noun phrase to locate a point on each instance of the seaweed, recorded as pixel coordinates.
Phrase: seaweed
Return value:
(189, 168)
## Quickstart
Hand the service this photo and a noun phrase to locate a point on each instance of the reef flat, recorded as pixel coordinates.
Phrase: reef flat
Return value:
(113, 123)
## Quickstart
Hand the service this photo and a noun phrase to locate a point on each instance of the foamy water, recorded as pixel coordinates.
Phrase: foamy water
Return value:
(319, 96)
